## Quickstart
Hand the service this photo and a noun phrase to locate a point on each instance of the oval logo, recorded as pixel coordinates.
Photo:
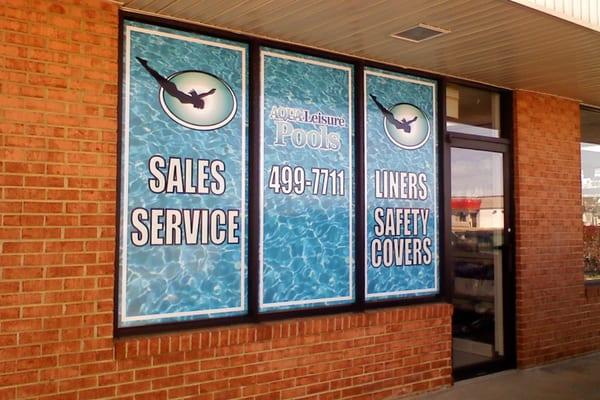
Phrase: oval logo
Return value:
(216, 105)
(411, 128)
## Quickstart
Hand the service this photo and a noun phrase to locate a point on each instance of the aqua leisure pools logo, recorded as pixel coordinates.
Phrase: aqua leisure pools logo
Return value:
(195, 99)
(406, 125)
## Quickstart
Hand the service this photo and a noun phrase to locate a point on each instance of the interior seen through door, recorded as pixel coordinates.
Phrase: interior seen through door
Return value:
(477, 241)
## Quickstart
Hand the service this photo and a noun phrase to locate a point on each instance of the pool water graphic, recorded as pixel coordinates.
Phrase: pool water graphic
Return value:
(308, 239)
(181, 282)
(384, 152)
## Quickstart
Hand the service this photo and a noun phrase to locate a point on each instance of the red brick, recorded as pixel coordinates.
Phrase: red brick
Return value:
(36, 363)
(8, 393)
(98, 393)
(20, 378)
(550, 290)
(38, 337)
(23, 325)
(37, 389)
(22, 247)
(134, 387)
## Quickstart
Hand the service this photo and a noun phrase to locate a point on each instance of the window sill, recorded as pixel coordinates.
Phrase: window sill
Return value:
(592, 288)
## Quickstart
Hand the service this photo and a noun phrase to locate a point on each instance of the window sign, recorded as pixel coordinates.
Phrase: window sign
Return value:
(183, 177)
(401, 186)
(306, 232)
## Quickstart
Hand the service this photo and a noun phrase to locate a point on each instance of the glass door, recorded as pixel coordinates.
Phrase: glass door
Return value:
(479, 258)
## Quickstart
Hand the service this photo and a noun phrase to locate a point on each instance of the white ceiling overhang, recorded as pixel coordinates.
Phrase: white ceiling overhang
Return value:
(498, 42)
(582, 12)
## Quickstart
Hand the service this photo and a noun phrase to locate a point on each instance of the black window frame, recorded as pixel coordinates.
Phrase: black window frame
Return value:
(503, 144)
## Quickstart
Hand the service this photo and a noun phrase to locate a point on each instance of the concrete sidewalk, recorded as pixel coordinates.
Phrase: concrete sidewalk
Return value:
(573, 379)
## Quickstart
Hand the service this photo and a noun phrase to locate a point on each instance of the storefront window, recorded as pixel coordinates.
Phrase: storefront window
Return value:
(590, 189)
(186, 205)
(472, 111)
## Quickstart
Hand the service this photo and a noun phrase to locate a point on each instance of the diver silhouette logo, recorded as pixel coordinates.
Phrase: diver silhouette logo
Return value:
(194, 99)
(197, 100)
(405, 124)
(402, 124)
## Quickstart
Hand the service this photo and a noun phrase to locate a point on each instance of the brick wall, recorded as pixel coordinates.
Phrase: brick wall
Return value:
(556, 318)
(58, 146)
(58, 104)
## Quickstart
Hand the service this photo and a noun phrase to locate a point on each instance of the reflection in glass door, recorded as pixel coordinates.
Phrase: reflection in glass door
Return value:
(477, 243)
